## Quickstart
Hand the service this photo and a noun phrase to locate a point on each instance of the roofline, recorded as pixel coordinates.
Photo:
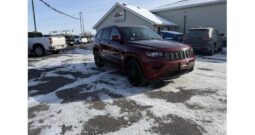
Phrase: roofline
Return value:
(188, 6)
(131, 11)
(105, 15)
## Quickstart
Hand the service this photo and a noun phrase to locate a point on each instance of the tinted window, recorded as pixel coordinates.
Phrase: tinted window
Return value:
(99, 34)
(115, 32)
(76, 36)
(34, 34)
(106, 34)
(139, 33)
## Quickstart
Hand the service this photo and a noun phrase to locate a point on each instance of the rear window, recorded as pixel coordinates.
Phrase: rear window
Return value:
(198, 33)
(34, 34)
(99, 34)
(106, 34)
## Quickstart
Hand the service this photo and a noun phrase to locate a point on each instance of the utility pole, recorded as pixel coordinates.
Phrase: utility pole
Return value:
(81, 23)
(34, 15)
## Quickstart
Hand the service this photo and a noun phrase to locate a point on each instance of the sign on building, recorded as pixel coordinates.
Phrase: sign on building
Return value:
(120, 16)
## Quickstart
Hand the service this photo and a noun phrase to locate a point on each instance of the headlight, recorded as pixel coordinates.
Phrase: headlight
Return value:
(154, 54)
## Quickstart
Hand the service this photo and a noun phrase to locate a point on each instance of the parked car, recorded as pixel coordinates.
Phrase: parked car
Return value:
(84, 40)
(77, 39)
(141, 53)
(39, 45)
(70, 40)
(206, 40)
(171, 35)
(80, 40)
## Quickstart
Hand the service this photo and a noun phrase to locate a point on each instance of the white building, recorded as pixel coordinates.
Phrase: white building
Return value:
(178, 16)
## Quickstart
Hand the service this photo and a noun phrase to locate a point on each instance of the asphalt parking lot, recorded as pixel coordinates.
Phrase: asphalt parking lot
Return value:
(68, 94)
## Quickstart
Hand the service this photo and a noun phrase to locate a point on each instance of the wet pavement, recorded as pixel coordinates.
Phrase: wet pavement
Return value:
(68, 94)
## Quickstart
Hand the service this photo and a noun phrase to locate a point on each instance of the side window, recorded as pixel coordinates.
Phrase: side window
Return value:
(106, 34)
(99, 34)
(115, 32)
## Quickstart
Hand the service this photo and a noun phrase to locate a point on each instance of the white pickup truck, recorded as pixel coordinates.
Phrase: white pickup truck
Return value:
(39, 45)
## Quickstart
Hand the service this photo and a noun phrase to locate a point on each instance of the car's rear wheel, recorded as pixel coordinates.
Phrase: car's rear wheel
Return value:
(98, 60)
(135, 73)
(39, 50)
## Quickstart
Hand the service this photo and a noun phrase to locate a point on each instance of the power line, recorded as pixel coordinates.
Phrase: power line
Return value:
(54, 9)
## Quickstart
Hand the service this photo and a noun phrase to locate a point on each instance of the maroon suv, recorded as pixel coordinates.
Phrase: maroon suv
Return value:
(141, 53)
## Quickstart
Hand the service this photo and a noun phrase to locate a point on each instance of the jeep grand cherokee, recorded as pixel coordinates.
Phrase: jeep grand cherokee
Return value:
(141, 53)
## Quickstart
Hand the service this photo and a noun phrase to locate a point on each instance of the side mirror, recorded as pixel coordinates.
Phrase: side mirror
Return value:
(116, 38)
(222, 35)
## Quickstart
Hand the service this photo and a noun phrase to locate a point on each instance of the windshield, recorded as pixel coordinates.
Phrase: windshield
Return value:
(139, 33)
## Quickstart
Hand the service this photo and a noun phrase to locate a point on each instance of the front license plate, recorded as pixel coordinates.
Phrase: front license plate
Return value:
(184, 65)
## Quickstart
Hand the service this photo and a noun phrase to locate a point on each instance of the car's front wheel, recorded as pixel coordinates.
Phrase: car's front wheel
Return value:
(98, 60)
(135, 73)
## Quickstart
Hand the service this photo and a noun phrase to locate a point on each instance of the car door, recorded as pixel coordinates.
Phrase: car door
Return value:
(115, 46)
(105, 44)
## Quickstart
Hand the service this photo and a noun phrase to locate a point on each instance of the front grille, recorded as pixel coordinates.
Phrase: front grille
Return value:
(178, 55)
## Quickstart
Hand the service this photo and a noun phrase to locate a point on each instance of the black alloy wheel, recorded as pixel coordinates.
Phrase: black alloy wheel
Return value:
(135, 73)
(98, 60)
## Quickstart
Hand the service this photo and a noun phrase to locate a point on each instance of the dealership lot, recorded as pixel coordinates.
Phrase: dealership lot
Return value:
(68, 94)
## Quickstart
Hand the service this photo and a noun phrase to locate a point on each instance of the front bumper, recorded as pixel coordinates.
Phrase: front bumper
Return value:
(163, 69)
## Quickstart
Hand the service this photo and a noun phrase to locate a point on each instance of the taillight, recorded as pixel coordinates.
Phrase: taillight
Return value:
(50, 40)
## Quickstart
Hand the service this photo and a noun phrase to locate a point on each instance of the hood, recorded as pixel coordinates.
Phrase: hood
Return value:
(159, 44)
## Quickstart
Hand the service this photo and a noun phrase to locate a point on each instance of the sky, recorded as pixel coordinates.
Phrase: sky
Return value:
(49, 20)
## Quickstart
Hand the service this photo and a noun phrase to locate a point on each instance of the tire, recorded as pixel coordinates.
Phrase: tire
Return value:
(135, 73)
(39, 50)
(98, 60)
(220, 49)
(55, 52)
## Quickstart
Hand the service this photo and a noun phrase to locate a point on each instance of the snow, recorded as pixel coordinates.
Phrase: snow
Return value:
(149, 16)
(184, 3)
(209, 75)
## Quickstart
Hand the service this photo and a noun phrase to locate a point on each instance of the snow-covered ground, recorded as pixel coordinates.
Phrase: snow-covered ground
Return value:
(69, 95)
